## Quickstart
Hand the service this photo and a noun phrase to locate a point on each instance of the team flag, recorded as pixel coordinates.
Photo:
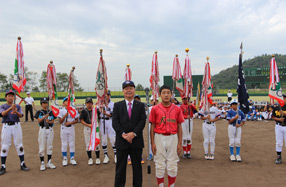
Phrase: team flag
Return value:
(52, 88)
(94, 135)
(18, 99)
(101, 82)
(275, 90)
(19, 74)
(198, 98)
(177, 76)
(154, 78)
(241, 87)
(187, 74)
(207, 87)
(71, 97)
(128, 73)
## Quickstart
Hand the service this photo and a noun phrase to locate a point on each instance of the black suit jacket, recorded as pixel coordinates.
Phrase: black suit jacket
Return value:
(122, 124)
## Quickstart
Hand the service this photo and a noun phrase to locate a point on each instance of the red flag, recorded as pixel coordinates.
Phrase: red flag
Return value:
(188, 86)
(94, 134)
(71, 97)
(207, 87)
(128, 73)
(101, 83)
(275, 90)
(52, 88)
(154, 78)
(177, 76)
(19, 74)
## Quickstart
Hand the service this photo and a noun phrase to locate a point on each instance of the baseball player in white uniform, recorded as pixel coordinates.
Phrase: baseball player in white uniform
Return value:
(11, 114)
(67, 133)
(106, 129)
(236, 120)
(85, 119)
(209, 130)
(46, 120)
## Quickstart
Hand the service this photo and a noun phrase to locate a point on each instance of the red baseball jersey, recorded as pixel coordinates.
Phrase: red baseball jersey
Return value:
(184, 108)
(166, 119)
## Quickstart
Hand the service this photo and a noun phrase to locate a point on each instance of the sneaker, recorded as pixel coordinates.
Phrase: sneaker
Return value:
(278, 160)
(184, 155)
(97, 161)
(129, 161)
(73, 162)
(42, 167)
(65, 162)
(90, 161)
(232, 158)
(115, 159)
(51, 165)
(142, 161)
(106, 159)
(207, 156)
(24, 167)
(189, 156)
(211, 157)
(2, 170)
(238, 158)
(150, 157)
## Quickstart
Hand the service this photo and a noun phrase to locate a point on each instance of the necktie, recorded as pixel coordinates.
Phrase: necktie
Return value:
(129, 110)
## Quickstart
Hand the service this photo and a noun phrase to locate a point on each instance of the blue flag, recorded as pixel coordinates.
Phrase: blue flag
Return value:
(241, 89)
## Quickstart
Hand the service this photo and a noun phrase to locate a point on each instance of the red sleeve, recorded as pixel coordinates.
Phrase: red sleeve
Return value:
(193, 107)
(180, 118)
(152, 116)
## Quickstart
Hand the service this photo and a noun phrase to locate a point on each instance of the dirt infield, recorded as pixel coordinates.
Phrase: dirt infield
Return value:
(256, 169)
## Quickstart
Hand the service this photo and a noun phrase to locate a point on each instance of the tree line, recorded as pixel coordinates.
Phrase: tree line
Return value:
(36, 84)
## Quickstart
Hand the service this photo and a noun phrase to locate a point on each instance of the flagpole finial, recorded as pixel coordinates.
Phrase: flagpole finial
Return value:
(187, 50)
(273, 55)
(208, 58)
(51, 62)
(127, 65)
(156, 52)
(19, 37)
(177, 55)
(100, 51)
(73, 68)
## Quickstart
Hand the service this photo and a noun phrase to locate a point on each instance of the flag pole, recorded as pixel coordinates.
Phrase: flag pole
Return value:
(188, 97)
(148, 129)
(100, 52)
(174, 81)
(51, 63)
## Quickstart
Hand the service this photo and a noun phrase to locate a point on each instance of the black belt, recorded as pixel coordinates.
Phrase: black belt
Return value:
(209, 122)
(105, 118)
(10, 123)
(281, 124)
(47, 127)
(68, 125)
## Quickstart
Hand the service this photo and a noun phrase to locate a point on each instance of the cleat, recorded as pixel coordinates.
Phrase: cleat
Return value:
(51, 165)
(232, 158)
(238, 158)
(129, 161)
(73, 162)
(106, 159)
(150, 157)
(115, 159)
(97, 161)
(90, 161)
(189, 156)
(207, 156)
(65, 162)
(24, 167)
(42, 167)
(211, 157)
(2, 170)
(278, 160)
(184, 155)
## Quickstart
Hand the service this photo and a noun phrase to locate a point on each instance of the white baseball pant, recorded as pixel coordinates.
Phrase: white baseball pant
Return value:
(187, 132)
(109, 131)
(234, 135)
(46, 136)
(86, 132)
(209, 132)
(280, 134)
(166, 156)
(68, 138)
(8, 132)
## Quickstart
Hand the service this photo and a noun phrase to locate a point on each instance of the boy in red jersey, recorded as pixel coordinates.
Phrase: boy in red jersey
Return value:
(166, 136)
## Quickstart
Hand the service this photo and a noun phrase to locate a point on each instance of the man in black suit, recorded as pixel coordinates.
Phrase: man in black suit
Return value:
(128, 121)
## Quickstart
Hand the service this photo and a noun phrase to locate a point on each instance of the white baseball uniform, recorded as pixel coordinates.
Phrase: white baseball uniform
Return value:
(209, 129)
(234, 133)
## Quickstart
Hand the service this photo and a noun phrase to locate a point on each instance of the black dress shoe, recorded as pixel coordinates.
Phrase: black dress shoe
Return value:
(2, 171)
(24, 167)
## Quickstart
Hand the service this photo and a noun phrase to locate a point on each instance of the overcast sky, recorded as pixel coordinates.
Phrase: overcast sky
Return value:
(71, 33)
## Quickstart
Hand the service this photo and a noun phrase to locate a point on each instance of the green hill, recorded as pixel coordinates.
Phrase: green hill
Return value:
(227, 78)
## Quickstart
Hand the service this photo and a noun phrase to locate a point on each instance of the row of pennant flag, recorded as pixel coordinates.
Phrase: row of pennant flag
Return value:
(183, 82)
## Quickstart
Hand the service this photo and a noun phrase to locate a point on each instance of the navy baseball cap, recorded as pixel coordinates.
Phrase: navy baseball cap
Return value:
(128, 83)
(137, 96)
(44, 100)
(108, 92)
(9, 92)
(88, 100)
(66, 98)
